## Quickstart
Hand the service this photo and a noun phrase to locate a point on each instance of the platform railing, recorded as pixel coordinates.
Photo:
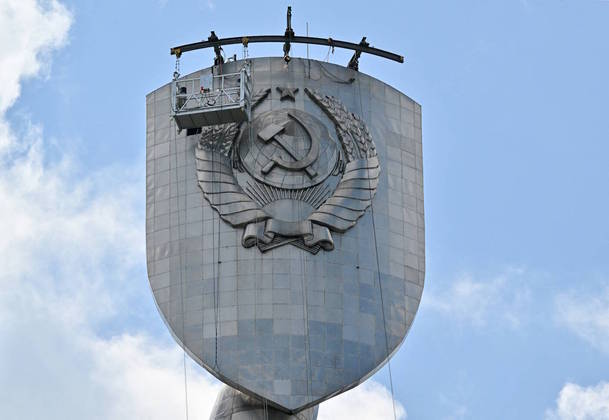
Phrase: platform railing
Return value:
(226, 90)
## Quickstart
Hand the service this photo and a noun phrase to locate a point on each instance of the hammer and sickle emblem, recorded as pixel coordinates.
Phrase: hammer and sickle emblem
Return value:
(276, 132)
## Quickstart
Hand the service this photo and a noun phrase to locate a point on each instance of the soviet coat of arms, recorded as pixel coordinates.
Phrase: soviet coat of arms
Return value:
(285, 178)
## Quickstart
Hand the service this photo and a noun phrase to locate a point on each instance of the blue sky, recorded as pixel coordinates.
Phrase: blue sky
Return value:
(514, 321)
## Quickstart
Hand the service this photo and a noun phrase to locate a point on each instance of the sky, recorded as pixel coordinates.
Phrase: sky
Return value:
(514, 319)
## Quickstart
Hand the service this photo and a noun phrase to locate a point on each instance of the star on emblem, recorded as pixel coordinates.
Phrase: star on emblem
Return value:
(287, 92)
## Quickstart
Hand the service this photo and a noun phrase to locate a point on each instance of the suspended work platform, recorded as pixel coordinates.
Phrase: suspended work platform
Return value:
(212, 99)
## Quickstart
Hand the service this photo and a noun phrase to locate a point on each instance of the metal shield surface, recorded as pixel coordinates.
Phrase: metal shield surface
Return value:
(325, 302)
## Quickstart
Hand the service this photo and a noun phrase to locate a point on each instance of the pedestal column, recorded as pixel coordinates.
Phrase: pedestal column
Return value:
(235, 405)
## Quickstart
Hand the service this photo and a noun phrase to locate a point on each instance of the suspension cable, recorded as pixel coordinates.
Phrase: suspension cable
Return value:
(305, 310)
(216, 267)
(203, 236)
(378, 268)
(175, 150)
(176, 72)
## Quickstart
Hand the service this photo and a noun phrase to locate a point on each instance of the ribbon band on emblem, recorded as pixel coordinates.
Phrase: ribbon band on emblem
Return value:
(265, 232)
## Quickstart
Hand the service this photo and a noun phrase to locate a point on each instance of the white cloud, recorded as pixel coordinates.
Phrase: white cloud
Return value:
(145, 380)
(586, 316)
(369, 401)
(71, 246)
(29, 30)
(52, 370)
(500, 298)
(72, 249)
(581, 403)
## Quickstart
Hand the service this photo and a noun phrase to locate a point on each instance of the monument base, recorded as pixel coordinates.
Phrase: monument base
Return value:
(235, 405)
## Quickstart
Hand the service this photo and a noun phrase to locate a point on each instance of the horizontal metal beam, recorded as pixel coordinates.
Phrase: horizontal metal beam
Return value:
(281, 38)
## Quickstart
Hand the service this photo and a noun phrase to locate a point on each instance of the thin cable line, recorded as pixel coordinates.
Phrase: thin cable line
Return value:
(185, 382)
(175, 146)
(216, 257)
(378, 267)
(306, 317)
(181, 265)
(202, 274)
(219, 262)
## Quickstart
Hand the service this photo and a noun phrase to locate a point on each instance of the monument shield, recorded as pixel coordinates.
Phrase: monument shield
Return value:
(286, 252)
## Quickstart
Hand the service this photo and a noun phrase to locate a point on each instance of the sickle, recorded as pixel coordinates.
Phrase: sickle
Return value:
(297, 165)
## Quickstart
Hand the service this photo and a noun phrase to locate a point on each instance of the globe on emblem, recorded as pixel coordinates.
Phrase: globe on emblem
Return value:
(284, 137)
(287, 153)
